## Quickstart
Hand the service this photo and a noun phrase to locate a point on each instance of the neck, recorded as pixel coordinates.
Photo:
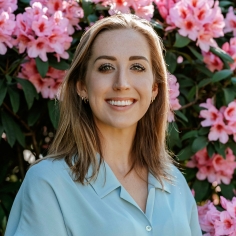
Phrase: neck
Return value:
(117, 146)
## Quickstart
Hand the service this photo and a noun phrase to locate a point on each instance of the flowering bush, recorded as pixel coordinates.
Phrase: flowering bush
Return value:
(37, 41)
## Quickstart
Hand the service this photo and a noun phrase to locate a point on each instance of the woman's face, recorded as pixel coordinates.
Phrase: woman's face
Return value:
(119, 82)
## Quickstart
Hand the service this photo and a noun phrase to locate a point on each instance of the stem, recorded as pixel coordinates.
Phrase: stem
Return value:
(20, 160)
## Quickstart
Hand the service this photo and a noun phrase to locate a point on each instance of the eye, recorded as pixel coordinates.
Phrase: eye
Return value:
(106, 67)
(137, 67)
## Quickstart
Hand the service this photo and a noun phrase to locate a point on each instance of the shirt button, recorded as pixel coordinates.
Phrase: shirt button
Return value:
(148, 228)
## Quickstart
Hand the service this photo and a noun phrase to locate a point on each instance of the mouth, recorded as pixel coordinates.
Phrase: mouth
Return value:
(121, 102)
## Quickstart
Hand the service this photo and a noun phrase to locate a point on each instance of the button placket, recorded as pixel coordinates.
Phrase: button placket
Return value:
(148, 228)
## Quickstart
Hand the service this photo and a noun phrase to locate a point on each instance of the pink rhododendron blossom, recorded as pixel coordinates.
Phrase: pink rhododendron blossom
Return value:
(5, 5)
(201, 21)
(213, 62)
(215, 168)
(7, 25)
(230, 111)
(164, 6)
(222, 121)
(214, 222)
(230, 48)
(173, 94)
(230, 21)
(46, 27)
(219, 130)
(47, 86)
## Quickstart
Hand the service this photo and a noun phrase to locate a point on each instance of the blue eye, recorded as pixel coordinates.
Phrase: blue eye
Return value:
(106, 67)
(137, 67)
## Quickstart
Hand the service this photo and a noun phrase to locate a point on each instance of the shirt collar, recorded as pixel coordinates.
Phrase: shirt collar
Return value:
(106, 181)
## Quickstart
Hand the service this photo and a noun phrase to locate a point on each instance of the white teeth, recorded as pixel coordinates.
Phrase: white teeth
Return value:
(120, 103)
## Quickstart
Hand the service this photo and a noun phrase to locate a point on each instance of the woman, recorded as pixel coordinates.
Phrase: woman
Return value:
(108, 171)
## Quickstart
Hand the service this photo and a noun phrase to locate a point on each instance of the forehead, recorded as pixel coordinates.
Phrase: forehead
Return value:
(121, 42)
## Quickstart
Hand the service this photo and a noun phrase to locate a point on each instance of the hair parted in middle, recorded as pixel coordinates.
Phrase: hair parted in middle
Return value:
(77, 134)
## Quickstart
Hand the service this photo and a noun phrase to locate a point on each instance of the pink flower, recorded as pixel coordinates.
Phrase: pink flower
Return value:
(39, 47)
(47, 86)
(210, 115)
(230, 111)
(212, 61)
(173, 94)
(226, 225)
(5, 5)
(230, 21)
(219, 131)
(163, 7)
(230, 48)
(119, 6)
(145, 12)
(42, 27)
(7, 25)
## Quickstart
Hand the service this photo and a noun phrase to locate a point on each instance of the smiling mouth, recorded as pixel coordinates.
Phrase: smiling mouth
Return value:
(121, 103)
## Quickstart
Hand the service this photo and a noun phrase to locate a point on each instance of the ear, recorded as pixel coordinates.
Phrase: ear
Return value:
(154, 90)
(81, 89)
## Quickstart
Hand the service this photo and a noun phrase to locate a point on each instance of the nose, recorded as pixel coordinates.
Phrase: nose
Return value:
(121, 81)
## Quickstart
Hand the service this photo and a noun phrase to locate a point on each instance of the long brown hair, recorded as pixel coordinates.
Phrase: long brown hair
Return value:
(77, 138)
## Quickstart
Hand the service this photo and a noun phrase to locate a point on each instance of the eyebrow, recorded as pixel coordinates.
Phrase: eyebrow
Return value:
(132, 58)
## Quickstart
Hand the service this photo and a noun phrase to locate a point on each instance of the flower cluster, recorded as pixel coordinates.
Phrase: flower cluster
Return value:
(214, 63)
(214, 222)
(142, 8)
(41, 30)
(222, 122)
(7, 25)
(173, 94)
(214, 168)
(47, 86)
(230, 22)
(200, 20)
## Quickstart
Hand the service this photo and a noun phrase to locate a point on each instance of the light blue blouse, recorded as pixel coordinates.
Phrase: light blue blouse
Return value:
(50, 203)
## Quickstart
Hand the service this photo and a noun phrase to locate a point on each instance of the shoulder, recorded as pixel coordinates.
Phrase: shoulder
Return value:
(47, 168)
(179, 183)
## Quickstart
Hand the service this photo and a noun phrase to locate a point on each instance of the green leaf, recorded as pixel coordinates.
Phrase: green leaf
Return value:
(201, 189)
(8, 127)
(181, 41)
(190, 134)
(3, 90)
(210, 149)
(171, 61)
(87, 7)
(53, 112)
(203, 131)
(233, 80)
(185, 154)
(199, 143)
(14, 98)
(173, 137)
(222, 54)
(189, 173)
(10, 187)
(92, 18)
(42, 66)
(12, 130)
(220, 75)
(156, 25)
(191, 93)
(232, 146)
(61, 65)
(229, 95)
(195, 53)
(181, 115)
(34, 115)
(204, 70)
(225, 3)
(227, 190)
(220, 149)
(29, 91)
(2, 214)
(204, 82)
